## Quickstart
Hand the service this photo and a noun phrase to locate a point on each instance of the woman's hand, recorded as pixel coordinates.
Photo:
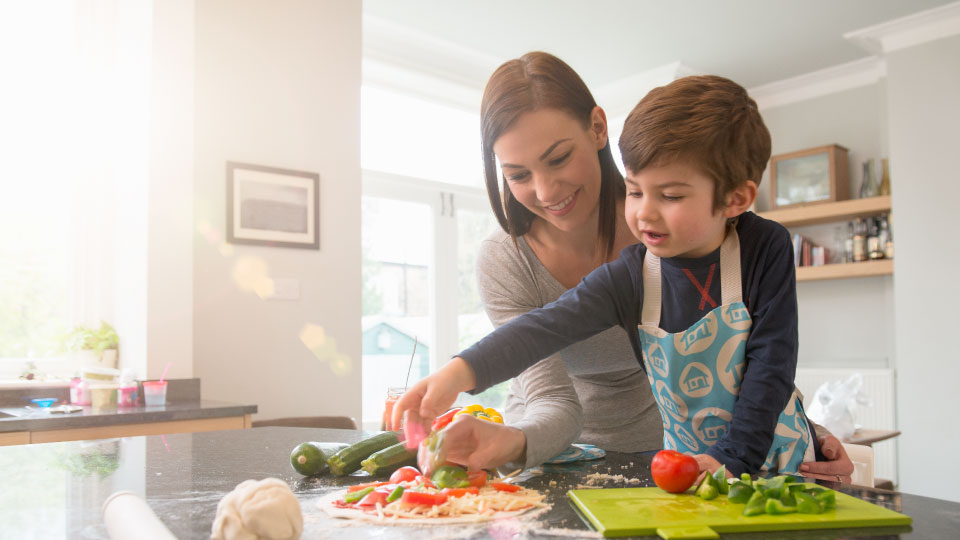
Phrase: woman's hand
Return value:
(839, 468)
(708, 465)
(480, 444)
(431, 396)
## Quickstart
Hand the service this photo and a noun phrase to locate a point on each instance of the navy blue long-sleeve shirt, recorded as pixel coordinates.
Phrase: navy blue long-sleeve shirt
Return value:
(613, 295)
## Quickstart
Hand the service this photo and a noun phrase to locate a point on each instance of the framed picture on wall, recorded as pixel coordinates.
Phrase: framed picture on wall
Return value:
(810, 176)
(268, 206)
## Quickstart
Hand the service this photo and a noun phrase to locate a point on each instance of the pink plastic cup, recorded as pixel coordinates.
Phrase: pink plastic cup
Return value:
(154, 393)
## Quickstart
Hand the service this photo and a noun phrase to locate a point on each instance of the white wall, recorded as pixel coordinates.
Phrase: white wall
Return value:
(278, 84)
(854, 119)
(923, 85)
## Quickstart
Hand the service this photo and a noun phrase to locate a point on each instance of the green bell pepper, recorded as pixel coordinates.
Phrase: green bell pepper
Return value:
(806, 504)
(827, 499)
(756, 505)
(708, 488)
(395, 494)
(720, 476)
(450, 476)
(355, 496)
(740, 492)
(775, 507)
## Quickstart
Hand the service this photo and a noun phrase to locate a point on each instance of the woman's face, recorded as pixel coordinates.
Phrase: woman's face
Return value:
(551, 165)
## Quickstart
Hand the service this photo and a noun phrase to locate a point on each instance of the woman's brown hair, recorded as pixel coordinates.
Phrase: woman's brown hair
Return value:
(535, 81)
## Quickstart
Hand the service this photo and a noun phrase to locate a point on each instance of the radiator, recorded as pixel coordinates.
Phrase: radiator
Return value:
(878, 386)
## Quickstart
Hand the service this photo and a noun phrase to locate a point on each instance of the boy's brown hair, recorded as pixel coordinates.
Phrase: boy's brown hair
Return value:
(706, 120)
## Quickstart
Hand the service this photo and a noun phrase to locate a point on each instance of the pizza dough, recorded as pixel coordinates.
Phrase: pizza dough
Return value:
(264, 509)
(327, 503)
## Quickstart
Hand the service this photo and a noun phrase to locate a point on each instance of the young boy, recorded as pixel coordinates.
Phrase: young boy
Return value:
(708, 298)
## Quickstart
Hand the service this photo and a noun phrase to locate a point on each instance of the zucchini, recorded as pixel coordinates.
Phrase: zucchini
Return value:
(349, 459)
(310, 458)
(390, 459)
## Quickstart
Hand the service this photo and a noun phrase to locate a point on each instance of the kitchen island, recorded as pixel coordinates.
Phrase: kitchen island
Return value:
(56, 490)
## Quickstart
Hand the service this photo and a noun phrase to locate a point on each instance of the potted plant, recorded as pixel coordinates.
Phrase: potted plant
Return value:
(100, 344)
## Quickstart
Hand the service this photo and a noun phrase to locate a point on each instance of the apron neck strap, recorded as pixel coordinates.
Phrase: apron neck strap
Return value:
(731, 290)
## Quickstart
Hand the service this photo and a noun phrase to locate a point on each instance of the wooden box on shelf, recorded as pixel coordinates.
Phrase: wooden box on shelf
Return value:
(811, 176)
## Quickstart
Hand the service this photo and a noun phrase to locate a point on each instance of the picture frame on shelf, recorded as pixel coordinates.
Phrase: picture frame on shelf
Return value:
(811, 176)
(270, 206)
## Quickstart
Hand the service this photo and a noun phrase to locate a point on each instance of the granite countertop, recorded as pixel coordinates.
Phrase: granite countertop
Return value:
(23, 419)
(56, 490)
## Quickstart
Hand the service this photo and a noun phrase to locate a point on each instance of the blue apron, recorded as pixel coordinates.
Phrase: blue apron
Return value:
(695, 375)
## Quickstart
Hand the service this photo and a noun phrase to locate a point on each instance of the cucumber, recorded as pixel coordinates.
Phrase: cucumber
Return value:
(310, 458)
(389, 459)
(349, 459)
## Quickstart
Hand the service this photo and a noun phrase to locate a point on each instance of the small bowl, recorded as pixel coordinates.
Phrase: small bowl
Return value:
(43, 403)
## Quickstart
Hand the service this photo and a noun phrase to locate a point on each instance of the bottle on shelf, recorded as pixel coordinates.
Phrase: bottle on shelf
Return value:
(848, 244)
(885, 177)
(859, 241)
(868, 186)
(886, 231)
(874, 247)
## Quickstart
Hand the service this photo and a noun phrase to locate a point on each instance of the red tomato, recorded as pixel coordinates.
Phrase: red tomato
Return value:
(503, 486)
(420, 497)
(477, 478)
(372, 498)
(404, 474)
(460, 492)
(674, 472)
(444, 419)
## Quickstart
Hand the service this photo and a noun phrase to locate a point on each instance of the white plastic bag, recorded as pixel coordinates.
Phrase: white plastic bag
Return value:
(835, 403)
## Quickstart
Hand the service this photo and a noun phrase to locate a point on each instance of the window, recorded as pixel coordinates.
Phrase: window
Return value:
(79, 102)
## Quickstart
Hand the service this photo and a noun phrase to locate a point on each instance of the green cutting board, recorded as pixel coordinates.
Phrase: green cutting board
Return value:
(652, 511)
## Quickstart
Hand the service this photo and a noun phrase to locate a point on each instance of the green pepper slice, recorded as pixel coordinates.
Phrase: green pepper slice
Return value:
(355, 496)
(806, 504)
(708, 488)
(775, 507)
(827, 499)
(720, 476)
(740, 492)
(450, 476)
(756, 505)
(395, 494)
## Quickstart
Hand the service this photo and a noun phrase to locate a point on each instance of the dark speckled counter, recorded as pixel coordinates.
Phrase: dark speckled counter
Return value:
(23, 419)
(56, 490)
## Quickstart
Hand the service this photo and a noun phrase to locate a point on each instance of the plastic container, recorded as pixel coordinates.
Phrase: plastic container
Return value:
(79, 391)
(128, 394)
(43, 403)
(99, 374)
(154, 393)
(103, 396)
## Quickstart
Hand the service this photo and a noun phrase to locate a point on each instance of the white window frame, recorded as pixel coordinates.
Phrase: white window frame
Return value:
(444, 201)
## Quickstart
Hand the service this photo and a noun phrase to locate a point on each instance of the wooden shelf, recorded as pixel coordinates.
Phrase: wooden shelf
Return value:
(882, 267)
(829, 212)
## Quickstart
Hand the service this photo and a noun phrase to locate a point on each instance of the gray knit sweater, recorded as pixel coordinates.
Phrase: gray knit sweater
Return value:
(610, 407)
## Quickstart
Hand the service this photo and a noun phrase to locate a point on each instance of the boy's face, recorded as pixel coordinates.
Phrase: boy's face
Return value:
(551, 166)
(670, 210)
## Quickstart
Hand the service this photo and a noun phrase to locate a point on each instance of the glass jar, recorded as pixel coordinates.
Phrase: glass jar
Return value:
(393, 394)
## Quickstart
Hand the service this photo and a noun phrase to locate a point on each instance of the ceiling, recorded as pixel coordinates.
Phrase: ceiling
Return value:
(751, 41)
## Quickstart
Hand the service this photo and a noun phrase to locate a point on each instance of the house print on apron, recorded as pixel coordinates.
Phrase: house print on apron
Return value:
(695, 375)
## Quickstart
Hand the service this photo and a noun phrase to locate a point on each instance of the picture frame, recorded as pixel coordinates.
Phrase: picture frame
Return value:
(270, 206)
(811, 176)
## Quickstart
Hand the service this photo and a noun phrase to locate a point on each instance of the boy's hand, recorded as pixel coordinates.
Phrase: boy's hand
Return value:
(708, 465)
(839, 468)
(430, 397)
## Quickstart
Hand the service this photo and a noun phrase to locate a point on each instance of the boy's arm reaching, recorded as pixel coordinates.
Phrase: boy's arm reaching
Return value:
(771, 352)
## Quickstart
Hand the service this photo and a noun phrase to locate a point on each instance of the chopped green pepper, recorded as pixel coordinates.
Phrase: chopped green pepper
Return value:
(355, 496)
(740, 492)
(827, 499)
(708, 488)
(720, 476)
(398, 491)
(745, 478)
(806, 504)
(756, 505)
(450, 476)
(775, 507)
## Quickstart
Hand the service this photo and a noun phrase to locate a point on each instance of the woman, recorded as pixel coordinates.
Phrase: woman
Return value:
(561, 211)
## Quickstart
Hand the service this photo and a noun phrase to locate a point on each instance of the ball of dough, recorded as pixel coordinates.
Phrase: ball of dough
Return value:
(264, 509)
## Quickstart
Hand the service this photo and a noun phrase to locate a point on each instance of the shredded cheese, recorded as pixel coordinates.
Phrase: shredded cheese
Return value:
(481, 506)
